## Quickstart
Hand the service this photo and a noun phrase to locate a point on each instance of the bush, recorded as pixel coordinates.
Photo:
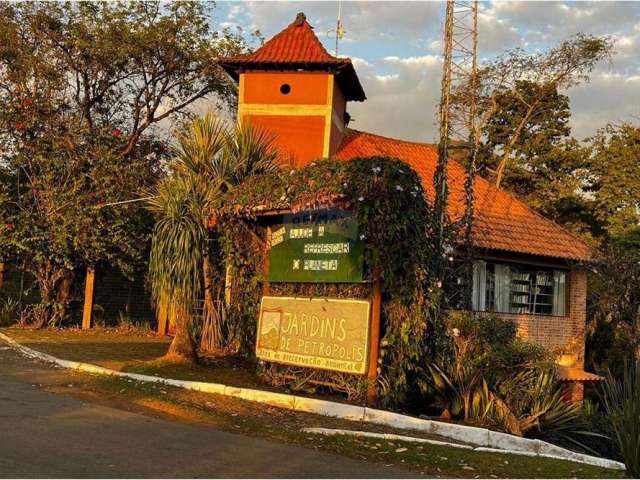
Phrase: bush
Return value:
(489, 377)
(9, 311)
(598, 422)
(490, 343)
(621, 399)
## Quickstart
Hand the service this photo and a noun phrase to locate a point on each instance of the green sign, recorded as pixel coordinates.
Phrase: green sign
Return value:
(319, 246)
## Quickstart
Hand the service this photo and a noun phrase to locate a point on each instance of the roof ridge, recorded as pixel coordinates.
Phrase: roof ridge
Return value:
(425, 144)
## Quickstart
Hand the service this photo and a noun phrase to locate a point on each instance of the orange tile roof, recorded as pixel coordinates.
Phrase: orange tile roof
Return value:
(501, 221)
(294, 47)
(574, 374)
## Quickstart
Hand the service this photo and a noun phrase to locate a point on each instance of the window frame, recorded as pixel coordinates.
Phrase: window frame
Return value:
(486, 281)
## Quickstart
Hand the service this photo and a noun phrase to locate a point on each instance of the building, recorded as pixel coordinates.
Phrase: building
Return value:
(529, 269)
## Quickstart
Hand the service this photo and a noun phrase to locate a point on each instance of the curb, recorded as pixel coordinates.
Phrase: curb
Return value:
(404, 438)
(483, 439)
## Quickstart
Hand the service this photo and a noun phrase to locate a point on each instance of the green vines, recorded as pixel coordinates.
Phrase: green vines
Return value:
(394, 221)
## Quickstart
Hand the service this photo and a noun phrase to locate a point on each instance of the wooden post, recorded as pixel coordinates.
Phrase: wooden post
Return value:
(1, 274)
(88, 299)
(374, 343)
(228, 281)
(265, 264)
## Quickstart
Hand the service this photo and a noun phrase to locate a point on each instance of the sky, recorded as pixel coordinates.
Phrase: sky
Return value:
(396, 48)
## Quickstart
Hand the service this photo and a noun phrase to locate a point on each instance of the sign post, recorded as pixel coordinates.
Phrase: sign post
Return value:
(374, 342)
(341, 335)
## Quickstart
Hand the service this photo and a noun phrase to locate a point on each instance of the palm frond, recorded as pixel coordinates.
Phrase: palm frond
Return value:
(200, 146)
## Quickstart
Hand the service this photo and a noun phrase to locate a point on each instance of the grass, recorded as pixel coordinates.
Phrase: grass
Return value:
(268, 422)
(139, 353)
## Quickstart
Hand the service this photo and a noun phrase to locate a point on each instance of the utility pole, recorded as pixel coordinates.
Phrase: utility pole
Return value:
(457, 117)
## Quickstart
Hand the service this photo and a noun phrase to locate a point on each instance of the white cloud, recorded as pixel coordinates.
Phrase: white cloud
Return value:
(426, 60)
(396, 49)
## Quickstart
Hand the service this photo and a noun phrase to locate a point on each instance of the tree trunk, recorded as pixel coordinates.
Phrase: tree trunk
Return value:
(54, 284)
(211, 339)
(182, 348)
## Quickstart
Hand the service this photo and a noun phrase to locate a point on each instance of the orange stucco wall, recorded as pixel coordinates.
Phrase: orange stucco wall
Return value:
(300, 139)
(339, 105)
(312, 110)
(307, 88)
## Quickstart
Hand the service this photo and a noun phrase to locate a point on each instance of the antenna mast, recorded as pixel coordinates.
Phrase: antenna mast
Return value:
(339, 27)
(458, 129)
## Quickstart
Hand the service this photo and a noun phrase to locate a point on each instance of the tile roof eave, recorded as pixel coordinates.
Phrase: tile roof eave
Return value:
(502, 230)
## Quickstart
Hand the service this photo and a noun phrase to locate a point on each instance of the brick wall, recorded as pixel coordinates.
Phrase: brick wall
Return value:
(564, 335)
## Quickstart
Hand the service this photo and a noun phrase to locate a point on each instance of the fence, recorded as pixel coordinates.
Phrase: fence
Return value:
(113, 300)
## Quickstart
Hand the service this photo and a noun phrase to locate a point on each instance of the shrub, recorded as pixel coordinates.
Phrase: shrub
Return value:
(598, 422)
(621, 398)
(491, 378)
(9, 311)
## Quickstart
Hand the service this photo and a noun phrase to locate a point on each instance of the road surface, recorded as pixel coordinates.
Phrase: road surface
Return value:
(44, 434)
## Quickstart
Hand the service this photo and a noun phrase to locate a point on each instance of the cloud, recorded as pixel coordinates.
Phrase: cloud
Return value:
(609, 98)
(402, 103)
(396, 48)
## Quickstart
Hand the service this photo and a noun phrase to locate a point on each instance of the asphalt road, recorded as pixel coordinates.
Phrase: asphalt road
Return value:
(44, 434)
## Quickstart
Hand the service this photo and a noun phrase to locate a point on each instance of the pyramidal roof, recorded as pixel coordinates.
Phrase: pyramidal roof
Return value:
(294, 48)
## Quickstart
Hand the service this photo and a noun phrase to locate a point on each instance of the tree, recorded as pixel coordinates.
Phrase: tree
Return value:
(547, 166)
(84, 88)
(614, 304)
(529, 84)
(210, 161)
(614, 178)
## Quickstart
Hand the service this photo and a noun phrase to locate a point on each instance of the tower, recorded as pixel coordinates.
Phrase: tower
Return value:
(293, 88)
(458, 126)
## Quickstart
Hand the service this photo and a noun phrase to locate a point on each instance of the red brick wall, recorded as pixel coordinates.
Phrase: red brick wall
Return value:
(564, 335)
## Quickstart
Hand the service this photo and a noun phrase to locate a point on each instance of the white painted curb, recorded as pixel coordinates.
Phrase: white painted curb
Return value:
(404, 438)
(483, 439)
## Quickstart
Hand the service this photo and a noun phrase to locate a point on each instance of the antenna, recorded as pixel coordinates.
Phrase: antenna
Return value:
(457, 117)
(339, 31)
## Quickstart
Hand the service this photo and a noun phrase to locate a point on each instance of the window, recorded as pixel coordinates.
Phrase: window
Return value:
(516, 288)
(285, 89)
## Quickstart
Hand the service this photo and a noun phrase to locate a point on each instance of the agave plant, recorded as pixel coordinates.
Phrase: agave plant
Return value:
(621, 399)
(535, 406)
(531, 403)
(455, 390)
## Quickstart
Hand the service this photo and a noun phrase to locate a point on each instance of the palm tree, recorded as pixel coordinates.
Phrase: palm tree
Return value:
(211, 159)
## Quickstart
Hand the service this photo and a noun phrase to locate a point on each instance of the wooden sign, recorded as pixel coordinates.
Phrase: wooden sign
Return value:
(329, 334)
(318, 246)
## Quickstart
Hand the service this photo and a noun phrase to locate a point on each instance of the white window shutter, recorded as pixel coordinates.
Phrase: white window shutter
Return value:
(559, 292)
(502, 287)
(479, 285)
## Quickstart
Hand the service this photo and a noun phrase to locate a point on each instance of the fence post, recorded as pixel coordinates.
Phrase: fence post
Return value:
(88, 299)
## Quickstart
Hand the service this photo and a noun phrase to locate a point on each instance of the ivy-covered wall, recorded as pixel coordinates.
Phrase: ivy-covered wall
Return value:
(396, 225)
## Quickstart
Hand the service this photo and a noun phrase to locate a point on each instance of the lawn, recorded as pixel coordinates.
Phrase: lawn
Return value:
(136, 352)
